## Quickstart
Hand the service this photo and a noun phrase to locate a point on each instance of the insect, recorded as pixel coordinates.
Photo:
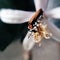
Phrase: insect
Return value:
(38, 28)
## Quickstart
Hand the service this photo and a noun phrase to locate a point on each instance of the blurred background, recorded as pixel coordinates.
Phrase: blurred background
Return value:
(11, 36)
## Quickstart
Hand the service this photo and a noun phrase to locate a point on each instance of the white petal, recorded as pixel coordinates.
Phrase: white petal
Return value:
(28, 42)
(15, 16)
(41, 4)
(54, 13)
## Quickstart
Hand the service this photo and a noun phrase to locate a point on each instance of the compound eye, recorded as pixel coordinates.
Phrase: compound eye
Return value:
(30, 26)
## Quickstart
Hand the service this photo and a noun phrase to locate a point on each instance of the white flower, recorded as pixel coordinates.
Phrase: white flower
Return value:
(17, 16)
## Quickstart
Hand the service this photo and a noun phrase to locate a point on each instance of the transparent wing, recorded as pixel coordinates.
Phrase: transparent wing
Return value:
(15, 16)
(54, 30)
(54, 13)
(41, 4)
